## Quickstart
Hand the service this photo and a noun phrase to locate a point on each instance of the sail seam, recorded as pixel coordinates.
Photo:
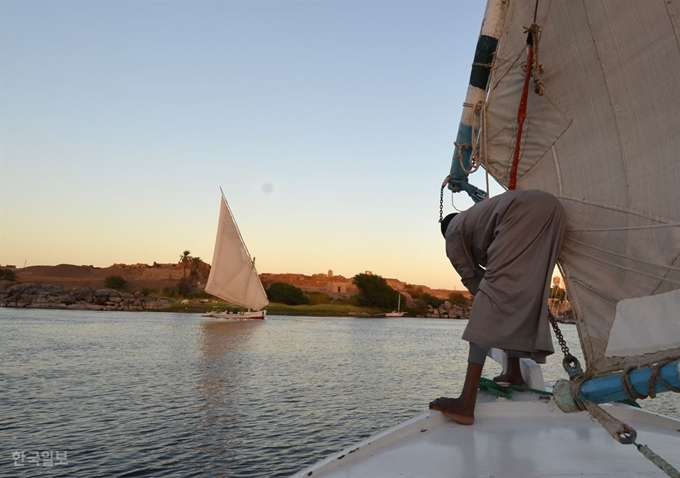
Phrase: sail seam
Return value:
(558, 171)
(664, 266)
(621, 210)
(619, 135)
(625, 228)
(674, 21)
(595, 291)
(618, 266)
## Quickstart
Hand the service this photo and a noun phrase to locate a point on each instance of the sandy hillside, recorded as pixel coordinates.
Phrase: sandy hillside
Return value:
(69, 276)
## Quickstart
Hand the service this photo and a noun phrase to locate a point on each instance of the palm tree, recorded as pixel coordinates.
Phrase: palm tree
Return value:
(184, 259)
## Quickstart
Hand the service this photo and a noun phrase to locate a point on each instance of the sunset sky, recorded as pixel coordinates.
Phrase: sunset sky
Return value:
(329, 125)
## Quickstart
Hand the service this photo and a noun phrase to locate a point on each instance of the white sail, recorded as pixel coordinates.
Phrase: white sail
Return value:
(233, 276)
(605, 139)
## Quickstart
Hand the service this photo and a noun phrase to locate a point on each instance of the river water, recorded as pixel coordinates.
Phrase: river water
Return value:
(124, 394)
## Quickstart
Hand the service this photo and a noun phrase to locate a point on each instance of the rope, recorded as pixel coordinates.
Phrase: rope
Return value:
(474, 163)
(493, 388)
(626, 435)
(521, 116)
(620, 431)
(505, 391)
(628, 388)
(536, 67)
(658, 461)
(654, 378)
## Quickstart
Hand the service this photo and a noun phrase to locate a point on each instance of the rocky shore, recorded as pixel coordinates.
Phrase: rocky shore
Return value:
(448, 311)
(43, 296)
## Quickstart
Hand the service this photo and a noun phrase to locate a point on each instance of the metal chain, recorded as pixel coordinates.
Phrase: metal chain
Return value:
(570, 363)
(558, 334)
(441, 204)
(441, 198)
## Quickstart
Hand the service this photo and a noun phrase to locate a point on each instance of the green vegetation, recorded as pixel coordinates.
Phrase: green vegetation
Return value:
(8, 274)
(336, 309)
(316, 298)
(428, 299)
(194, 269)
(459, 299)
(115, 282)
(287, 294)
(375, 292)
(184, 287)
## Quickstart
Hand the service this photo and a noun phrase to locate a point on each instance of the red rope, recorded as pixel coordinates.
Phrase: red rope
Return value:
(521, 115)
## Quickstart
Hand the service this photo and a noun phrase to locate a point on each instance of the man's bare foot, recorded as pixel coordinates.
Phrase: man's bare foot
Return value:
(511, 379)
(454, 409)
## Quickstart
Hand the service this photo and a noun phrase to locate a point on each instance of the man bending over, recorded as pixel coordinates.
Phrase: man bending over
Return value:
(504, 250)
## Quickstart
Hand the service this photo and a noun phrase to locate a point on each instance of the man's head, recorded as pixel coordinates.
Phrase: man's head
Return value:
(445, 222)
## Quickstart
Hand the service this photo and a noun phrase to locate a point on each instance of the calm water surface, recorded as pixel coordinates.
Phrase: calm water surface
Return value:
(155, 394)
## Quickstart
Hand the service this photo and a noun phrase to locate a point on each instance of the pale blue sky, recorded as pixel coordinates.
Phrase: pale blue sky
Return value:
(328, 124)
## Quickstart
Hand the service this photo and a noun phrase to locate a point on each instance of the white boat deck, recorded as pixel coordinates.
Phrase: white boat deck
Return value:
(526, 437)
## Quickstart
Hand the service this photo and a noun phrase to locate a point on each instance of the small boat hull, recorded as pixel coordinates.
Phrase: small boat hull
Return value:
(394, 314)
(259, 315)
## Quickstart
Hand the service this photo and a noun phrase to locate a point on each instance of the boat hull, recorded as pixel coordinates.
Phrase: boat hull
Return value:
(394, 314)
(526, 437)
(259, 315)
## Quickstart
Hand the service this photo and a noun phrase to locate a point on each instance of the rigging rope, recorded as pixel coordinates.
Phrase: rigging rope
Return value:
(505, 391)
(533, 69)
(521, 115)
(654, 378)
(474, 163)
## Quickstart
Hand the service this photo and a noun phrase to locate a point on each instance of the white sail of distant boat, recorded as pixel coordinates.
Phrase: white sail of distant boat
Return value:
(233, 276)
(599, 129)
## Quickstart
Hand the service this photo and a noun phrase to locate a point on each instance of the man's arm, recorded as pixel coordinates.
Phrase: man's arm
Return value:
(472, 283)
(471, 274)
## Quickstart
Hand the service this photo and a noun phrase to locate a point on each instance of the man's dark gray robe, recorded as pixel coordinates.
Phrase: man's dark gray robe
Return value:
(505, 249)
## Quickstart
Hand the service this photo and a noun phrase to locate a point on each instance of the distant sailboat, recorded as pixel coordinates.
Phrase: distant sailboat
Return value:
(233, 276)
(398, 312)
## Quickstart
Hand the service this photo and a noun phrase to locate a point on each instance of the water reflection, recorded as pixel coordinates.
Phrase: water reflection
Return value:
(224, 346)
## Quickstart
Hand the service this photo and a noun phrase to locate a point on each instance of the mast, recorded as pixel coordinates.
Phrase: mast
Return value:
(461, 162)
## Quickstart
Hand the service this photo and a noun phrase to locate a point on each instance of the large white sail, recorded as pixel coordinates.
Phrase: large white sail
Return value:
(233, 276)
(604, 138)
